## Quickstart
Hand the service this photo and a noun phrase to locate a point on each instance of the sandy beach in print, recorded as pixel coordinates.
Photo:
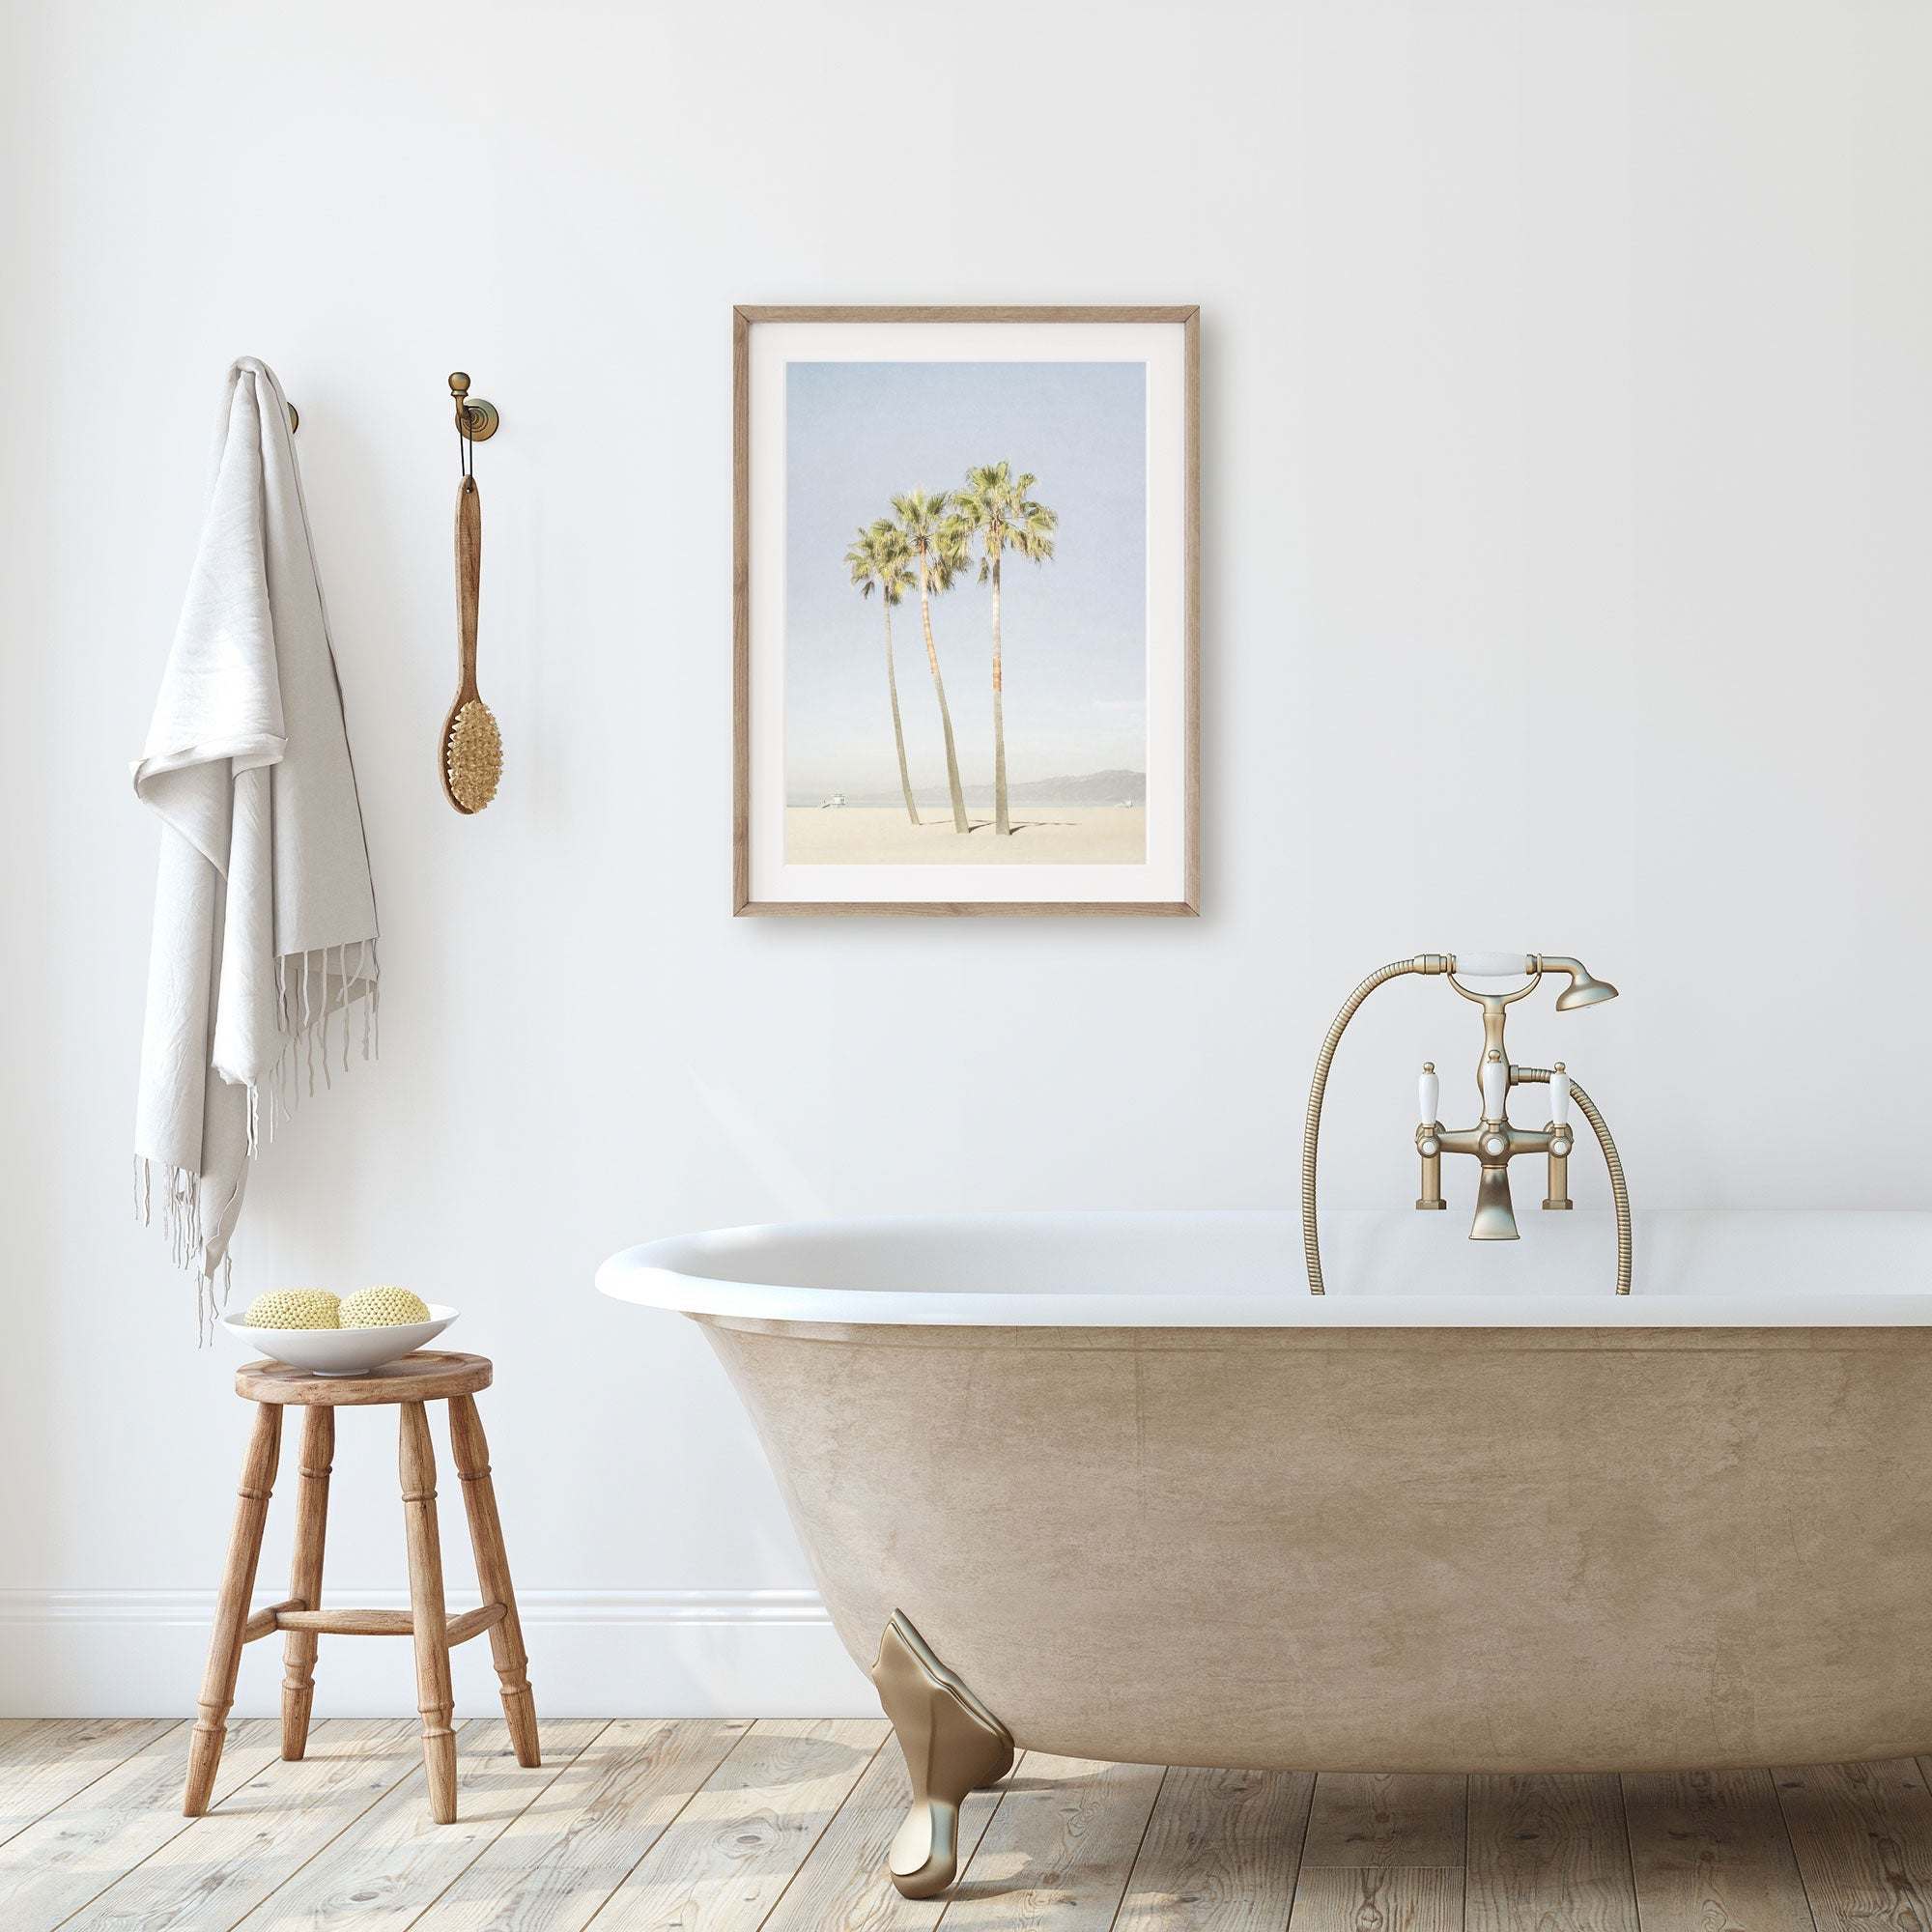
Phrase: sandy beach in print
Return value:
(1070, 835)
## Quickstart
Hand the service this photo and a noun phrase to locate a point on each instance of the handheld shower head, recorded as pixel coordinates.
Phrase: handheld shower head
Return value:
(1584, 989)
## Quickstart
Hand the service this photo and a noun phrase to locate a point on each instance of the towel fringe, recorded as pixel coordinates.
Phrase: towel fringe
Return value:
(328, 983)
(181, 1209)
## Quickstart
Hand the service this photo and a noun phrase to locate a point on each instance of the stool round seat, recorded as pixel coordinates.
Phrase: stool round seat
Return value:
(428, 1376)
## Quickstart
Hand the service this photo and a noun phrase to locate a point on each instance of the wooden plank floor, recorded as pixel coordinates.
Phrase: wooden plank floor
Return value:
(781, 1826)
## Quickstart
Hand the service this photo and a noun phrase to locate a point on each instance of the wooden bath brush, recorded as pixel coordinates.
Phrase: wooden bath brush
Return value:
(473, 746)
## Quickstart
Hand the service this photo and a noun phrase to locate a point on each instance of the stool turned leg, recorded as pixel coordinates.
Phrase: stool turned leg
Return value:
(318, 1455)
(432, 1624)
(231, 1610)
(493, 1572)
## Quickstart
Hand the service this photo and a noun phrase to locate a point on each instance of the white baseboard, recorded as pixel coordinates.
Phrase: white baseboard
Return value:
(593, 1654)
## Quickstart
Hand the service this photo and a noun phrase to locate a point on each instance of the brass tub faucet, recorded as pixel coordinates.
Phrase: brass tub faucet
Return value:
(1492, 1142)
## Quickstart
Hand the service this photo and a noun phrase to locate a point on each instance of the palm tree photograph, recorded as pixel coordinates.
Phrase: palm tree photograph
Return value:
(998, 512)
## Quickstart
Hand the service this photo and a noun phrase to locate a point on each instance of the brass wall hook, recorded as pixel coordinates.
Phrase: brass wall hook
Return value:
(475, 421)
(295, 420)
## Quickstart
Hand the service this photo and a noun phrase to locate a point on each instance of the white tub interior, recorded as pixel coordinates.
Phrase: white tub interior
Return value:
(1244, 1269)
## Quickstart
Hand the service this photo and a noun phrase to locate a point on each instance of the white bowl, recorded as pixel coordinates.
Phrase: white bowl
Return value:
(343, 1352)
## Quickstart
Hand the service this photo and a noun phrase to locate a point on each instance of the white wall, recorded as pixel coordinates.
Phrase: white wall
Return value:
(1566, 409)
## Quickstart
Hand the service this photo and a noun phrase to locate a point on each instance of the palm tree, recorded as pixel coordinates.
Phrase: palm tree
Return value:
(878, 561)
(995, 506)
(938, 553)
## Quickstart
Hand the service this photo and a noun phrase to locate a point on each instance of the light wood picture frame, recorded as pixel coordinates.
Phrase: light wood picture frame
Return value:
(1018, 490)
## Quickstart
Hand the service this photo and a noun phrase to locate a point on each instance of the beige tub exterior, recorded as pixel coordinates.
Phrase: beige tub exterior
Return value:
(1522, 1543)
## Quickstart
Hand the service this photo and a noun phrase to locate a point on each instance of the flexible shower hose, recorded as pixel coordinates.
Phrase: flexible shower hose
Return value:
(1311, 1133)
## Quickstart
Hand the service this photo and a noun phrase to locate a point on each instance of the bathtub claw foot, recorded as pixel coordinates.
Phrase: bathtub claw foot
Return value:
(953, 1746)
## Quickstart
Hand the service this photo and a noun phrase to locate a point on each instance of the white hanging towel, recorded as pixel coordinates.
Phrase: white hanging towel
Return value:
(264, 916)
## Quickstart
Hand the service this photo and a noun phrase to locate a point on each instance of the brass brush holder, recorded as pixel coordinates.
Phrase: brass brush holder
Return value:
(1492, 1141)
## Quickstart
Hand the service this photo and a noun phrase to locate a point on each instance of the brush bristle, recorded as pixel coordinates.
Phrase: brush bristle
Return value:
(475, 756)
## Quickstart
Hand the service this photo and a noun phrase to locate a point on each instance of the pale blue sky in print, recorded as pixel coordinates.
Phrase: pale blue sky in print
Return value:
(1074, 629)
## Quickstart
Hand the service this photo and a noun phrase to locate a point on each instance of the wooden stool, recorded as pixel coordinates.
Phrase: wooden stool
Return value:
(412, 1382)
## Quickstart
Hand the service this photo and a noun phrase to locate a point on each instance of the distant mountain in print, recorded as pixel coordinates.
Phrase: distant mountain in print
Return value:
(1117, 787)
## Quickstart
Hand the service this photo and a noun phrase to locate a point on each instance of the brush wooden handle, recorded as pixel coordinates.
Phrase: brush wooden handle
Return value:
(469, 582)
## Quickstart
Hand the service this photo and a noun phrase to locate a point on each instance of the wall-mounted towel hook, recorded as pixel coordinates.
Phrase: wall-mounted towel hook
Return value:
(475, 421)
(294, 421)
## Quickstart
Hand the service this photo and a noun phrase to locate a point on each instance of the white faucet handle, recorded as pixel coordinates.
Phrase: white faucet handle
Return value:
(1559, 1097)
(1428, 1096)
(1492, 965)
(1496, 1089)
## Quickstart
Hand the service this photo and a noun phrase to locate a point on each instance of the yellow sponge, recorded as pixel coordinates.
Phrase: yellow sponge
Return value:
(384, 1307)
(294, 1308)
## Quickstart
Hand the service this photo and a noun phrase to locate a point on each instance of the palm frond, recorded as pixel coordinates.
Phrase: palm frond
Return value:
(995, 507)
(879, 558)
(931, 541)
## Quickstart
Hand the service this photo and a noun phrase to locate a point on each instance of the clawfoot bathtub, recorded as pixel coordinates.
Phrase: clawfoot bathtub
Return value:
(1118, 1487)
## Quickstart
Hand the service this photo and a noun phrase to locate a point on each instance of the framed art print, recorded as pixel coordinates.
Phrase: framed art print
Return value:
(965, 610)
